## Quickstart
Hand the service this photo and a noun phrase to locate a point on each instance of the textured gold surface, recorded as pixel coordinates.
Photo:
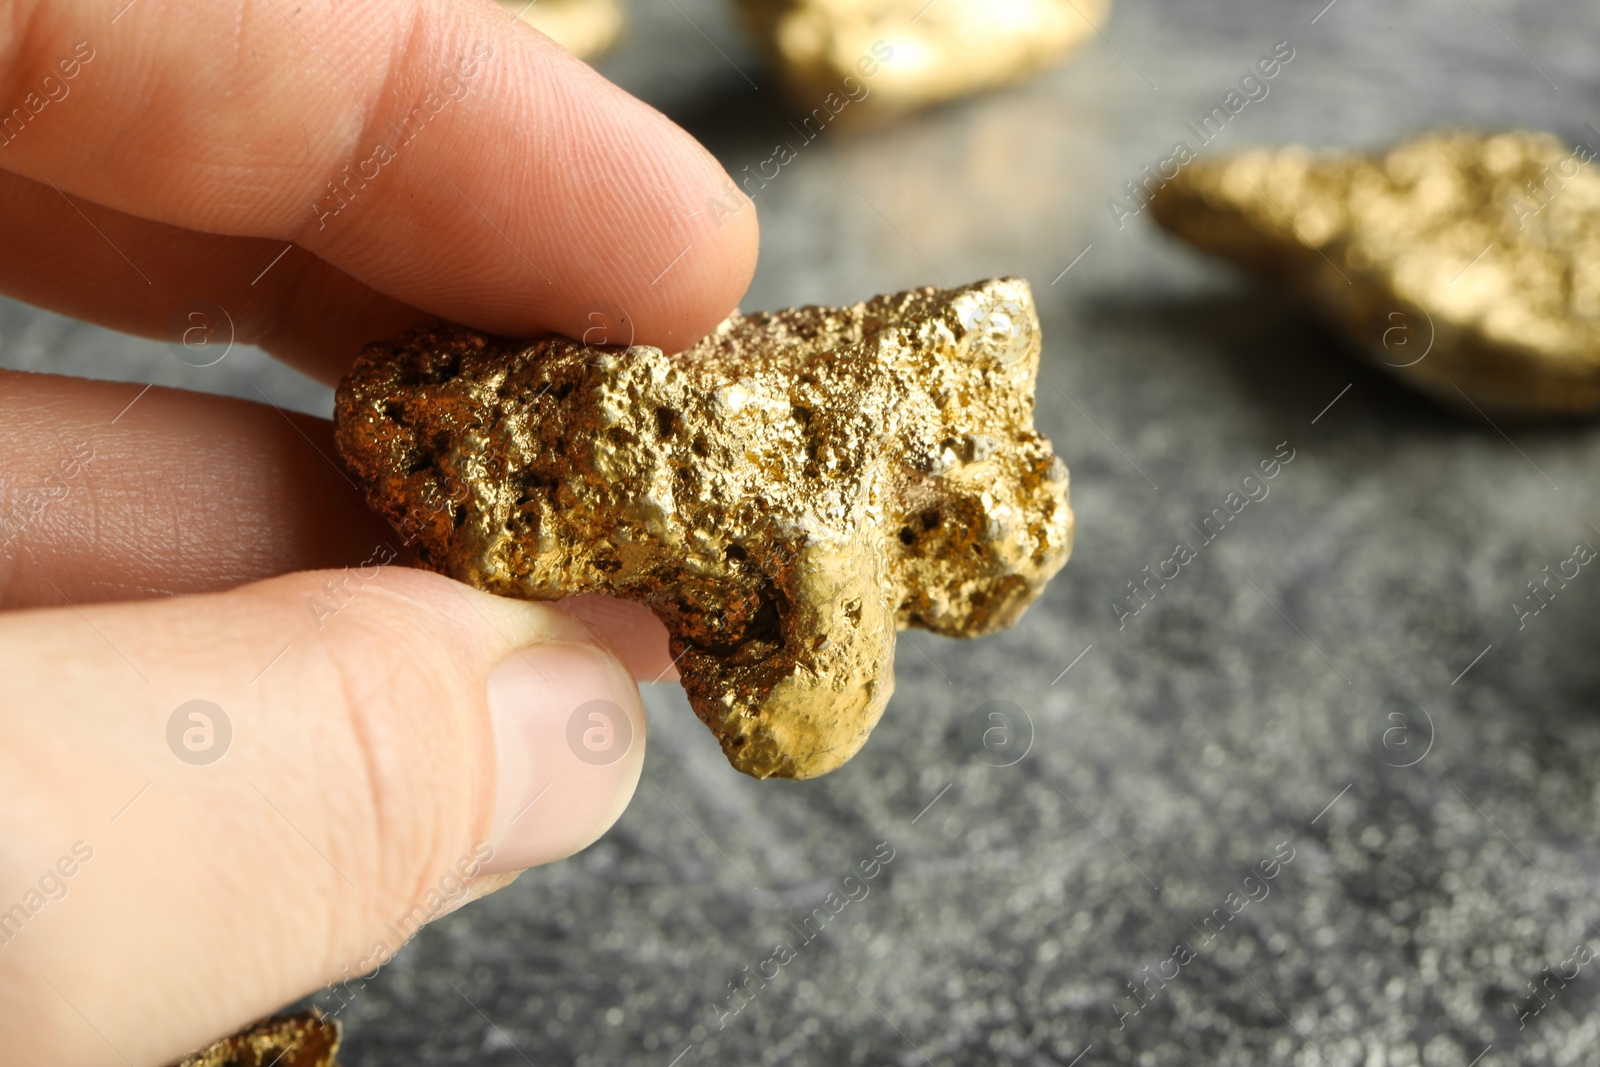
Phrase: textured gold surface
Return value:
(1469, 265)
(586, 28)
(302, 1040)
(784, 495)
(904, 54)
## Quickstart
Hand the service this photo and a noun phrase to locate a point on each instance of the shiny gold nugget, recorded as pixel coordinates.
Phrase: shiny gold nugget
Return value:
(890, 56)
(586, 28)
(784, 495)
(302, 1040)
(1466, 264)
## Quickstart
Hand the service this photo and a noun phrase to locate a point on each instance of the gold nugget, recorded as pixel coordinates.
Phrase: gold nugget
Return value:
(586, 28)
(891, 56)
(784, 495)
(1466, 264)
(302, 1040)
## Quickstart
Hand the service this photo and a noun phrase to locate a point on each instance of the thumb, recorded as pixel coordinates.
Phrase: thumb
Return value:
(213, 805)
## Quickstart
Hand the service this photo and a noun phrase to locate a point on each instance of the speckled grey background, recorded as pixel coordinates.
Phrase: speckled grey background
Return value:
(1237, 717)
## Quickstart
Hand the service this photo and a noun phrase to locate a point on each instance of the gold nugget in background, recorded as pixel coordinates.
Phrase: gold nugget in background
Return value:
(785, 495)
(904, 54)
(302, 1040)
(1466, 264)
(586, 28)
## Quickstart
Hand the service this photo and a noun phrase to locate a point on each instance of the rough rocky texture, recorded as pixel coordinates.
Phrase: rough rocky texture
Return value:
(784, 495)
(304, 1039)
(904, 54)
(1407, 928)
(1466, 264)
(586, 28)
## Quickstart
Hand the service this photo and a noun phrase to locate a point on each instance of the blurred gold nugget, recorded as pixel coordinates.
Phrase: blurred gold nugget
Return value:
(586, 28)
(302, 1040)
(891, 56)
(1466, 264)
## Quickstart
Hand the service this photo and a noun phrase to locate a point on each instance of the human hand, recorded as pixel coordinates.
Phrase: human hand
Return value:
(170, 871)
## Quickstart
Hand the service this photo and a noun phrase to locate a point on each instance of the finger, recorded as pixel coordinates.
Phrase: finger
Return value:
(77, 258)
(115, 492)
(630, 630)
(179, 869)
(437, 150)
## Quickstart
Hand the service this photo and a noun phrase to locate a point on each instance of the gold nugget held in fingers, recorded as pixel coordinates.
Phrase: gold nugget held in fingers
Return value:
(785, 495)
(1466, 264)
(891, 56)
(302, 1040)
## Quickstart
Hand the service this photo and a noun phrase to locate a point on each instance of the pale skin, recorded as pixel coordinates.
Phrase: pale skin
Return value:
(185, 155)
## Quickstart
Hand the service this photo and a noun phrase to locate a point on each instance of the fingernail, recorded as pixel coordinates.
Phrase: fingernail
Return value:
(569, 744)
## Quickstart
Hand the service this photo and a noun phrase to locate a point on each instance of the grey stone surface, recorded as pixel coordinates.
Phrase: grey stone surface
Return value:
(1240, 714)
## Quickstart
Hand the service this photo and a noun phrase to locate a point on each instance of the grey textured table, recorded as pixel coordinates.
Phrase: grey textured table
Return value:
(1236, 719)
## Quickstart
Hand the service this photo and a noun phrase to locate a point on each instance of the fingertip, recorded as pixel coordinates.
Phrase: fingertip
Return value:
(720, 250)
(569, 736)
(451, 161)
(544, 194)
(629, 629)
(644, 232)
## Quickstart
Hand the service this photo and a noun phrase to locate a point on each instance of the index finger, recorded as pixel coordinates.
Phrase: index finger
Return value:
(438, 150)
